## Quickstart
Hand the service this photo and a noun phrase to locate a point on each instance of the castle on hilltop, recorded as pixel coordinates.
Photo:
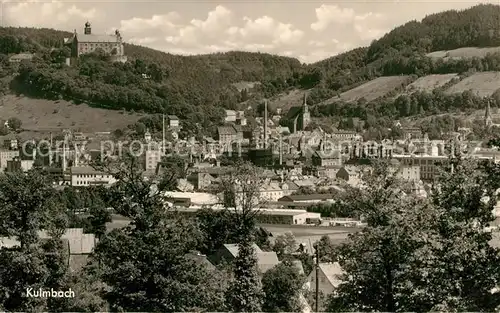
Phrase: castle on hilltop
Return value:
(87, 42)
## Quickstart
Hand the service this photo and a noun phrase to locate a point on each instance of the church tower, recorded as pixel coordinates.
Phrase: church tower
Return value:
(487, 115)
(87, 29)
(306, 116)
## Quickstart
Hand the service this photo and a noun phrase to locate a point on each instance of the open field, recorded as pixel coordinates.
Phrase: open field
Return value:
(245, 85)
(430, 82)
(373, 89)
(288, 99)
(484, 84)
(45, 115)
(464, 53)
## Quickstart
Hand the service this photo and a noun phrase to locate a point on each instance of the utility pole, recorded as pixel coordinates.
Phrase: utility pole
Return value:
(317, 278)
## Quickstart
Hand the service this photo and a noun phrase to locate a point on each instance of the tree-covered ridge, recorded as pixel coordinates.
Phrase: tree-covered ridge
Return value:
(402, 51)
(195, 88)
(474, 27)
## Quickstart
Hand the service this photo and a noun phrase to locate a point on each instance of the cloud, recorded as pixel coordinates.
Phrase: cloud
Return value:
(155, 23)
(39, 13)
(366, 26)
(370, 26)
(267, 29)
(220, 31)
(215, 22)
(328, 14)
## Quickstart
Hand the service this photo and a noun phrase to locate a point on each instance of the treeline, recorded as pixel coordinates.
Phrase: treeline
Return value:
(25, 39)
(416, 103)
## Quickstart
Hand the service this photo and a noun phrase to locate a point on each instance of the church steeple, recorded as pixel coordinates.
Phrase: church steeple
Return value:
(487, 114)
(306, 116)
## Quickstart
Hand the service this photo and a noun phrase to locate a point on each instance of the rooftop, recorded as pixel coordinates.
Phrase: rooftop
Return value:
(84, 170)
(233, 249)
(332, 271)
(97, 38)
(322, 196)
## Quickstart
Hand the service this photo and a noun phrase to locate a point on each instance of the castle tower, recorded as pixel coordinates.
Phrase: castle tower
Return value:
(87, 29)
(487, 115)
(306, 116)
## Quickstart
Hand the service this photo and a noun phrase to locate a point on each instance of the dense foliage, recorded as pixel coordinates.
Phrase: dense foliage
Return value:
(399, 261)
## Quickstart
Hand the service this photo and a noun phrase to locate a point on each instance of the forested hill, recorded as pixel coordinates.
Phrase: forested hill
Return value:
(197, 87)
(402, 51)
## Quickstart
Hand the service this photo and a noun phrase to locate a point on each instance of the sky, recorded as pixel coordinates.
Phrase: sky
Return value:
(309, 30)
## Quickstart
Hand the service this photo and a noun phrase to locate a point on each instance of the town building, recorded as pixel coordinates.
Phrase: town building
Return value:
(152, 158)
(345, 135)
(287, 217)
(81, 176)
(411, 133)
(327, 158)
(11, 142)
(237, 117)
(7, 155)
(19, 165)
(173, 121)
(81, 44)
(409, 173)
(229, 252)
(429, 165)
(310, 199)
(229, 135)
(329, 276)
(76, 245)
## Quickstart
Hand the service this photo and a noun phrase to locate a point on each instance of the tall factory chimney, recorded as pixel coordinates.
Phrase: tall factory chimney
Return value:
(163, 136)
(281, 149)
(64, 155)
(265, 124)
(50, 150)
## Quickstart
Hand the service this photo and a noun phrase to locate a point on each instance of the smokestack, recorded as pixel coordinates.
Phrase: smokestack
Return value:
(163, 136)
(64, 155)
(281, 149)
(265, 124)
(50, 150)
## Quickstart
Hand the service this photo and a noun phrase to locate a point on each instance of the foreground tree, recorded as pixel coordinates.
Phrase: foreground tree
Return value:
(327, 249)
(241, 195)
(28, 205)
(465, 199)
(99, 215)
(285, 244)
(245, 291)
(282, 286)
(146, 265)
(421, 255)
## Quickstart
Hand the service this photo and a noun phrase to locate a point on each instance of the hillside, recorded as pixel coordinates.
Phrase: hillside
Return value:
(461, 53)
(483, 84)
(194, 88)
(45, 115)
(431, 82)
(197, 88)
